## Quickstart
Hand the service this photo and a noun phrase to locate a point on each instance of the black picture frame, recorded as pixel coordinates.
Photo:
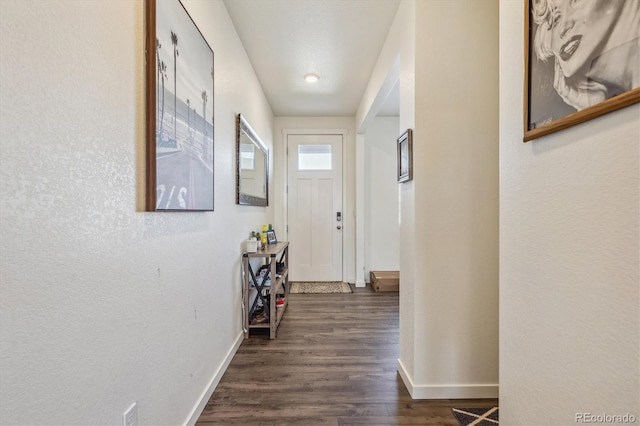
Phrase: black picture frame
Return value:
(179, 111)
(405, 156)
(554, 101)
(271, 237)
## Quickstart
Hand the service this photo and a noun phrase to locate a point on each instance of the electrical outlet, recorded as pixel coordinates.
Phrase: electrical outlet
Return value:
(130, 417)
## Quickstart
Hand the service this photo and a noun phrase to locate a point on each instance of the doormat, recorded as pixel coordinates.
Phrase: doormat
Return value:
(319, 287)
(476, 416)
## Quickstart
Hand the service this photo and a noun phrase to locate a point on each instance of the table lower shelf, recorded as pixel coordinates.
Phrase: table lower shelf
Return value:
(272, 324)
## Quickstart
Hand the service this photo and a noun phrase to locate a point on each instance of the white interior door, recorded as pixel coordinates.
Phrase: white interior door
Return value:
(314, 207)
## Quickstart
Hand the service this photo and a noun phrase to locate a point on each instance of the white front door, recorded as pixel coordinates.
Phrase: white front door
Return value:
(314, 207)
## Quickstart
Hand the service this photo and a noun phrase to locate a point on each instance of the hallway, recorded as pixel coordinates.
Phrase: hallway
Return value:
(334, 362)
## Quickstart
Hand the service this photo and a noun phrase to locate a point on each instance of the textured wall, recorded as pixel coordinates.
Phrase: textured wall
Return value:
(569, 258)
(102, 304)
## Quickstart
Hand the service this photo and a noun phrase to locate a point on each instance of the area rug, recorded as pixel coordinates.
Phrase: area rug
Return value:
(476, 416)
(300, 287)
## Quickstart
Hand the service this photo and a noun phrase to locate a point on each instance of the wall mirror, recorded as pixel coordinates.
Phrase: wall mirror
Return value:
(252, 172)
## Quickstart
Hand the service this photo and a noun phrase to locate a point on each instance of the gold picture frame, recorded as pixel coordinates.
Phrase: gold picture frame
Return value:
(559, 93)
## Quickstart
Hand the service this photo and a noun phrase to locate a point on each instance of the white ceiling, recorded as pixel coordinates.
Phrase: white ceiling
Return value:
(337, 39)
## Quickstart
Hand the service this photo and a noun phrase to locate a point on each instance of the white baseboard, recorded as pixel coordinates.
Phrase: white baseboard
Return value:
(361, 283)
(451, 391)
(197, 410)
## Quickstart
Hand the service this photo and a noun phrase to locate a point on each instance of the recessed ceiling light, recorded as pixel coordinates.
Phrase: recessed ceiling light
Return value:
(311, 78)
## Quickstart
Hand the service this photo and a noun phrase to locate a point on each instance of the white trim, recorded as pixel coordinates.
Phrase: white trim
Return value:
(286, 132)
(360, 202)
(454, 391)
(204, 398)
(406, 378)
(449, 391)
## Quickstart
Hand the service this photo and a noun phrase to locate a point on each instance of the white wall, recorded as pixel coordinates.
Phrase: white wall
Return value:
(449, 211)
(449, 346)
(348, 178)
(102, 304)
(569, 256)
(381, 202)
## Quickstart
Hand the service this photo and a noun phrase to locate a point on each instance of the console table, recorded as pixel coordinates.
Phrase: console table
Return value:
(271, 281)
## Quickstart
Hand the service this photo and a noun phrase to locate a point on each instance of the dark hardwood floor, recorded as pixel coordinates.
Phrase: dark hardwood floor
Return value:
(334, 362)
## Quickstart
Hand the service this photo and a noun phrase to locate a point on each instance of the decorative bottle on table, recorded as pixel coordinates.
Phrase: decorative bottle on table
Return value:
(264, 236)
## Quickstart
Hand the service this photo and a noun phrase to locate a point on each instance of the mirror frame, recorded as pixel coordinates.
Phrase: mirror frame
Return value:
(245, 199)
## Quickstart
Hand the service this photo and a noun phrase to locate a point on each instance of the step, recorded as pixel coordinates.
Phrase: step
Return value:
(385, 280)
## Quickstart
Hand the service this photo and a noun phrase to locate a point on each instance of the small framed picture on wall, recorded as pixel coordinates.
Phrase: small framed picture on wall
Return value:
(405, 156)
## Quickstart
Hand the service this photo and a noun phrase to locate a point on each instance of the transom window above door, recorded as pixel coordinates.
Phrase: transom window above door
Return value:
(314, 157)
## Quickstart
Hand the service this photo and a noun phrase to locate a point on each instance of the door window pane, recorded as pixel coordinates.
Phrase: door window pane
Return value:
(314, 157)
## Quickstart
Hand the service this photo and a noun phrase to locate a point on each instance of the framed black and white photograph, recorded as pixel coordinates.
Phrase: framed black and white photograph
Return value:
(271, 237)
(581, 61)
(179, 111)
(405, 156)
